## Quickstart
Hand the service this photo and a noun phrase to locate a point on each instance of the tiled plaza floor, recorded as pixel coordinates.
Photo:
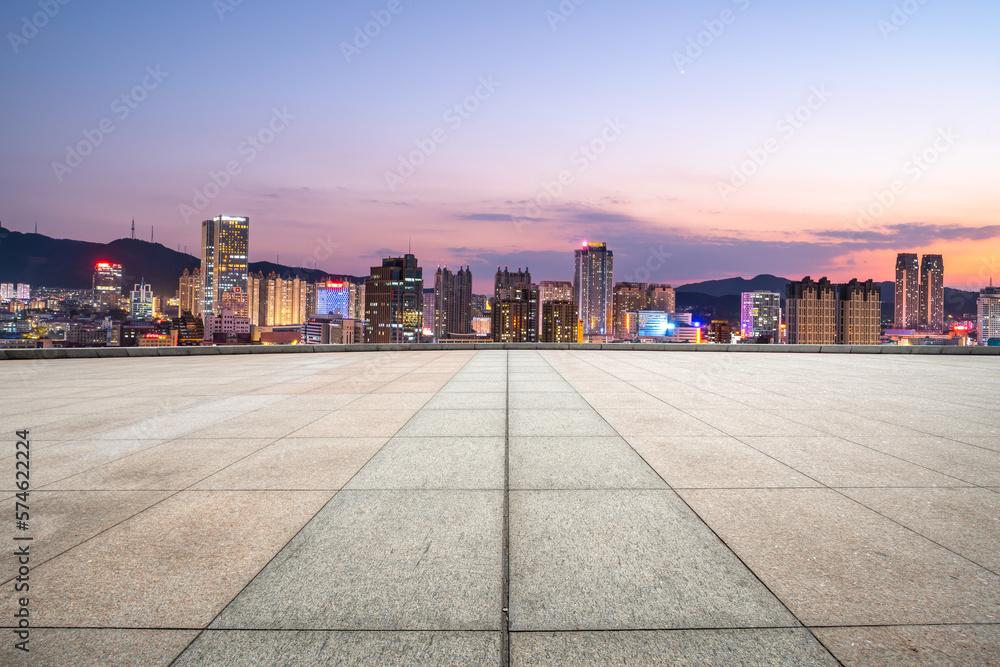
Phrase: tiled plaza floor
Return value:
(507, 507)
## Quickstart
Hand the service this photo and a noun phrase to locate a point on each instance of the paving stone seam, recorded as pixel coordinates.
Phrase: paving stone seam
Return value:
(695, 513)
(505, 555)
(313, 517)
(835, 489)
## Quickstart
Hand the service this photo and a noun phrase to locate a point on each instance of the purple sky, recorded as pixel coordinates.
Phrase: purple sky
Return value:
(775, 151)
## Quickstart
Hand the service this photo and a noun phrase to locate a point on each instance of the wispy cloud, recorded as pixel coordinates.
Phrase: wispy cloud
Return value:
(913, 234)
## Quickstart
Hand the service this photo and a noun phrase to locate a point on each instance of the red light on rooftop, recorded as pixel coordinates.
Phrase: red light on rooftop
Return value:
(333, 285)
(103, 265)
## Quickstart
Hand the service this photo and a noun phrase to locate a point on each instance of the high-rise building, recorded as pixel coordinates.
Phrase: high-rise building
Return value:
(907, 291)
(515, 308)
(593, 284)
(333, 297)
(559, 323)
(189, 293)
(394, 301)
(760, 316)
(452, 302)
(140, 305)
(932, 293)
(859, 313)
(552, 290)
(224, 266)
(357, 309)
(24, 291)
(812, 312)
(988, 317)
(7, 291)
(720, 331)
(107, 285)
(277, 301)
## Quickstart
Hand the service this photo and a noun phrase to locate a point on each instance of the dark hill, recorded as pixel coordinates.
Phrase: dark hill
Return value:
(41, 260)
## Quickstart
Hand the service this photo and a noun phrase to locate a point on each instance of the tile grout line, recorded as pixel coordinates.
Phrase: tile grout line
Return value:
(836, 489)
(700, 518)
(207, 626)
(505, 552)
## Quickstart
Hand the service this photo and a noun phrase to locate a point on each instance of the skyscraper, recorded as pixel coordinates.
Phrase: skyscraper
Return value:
(452, 302)
(907, 291)
(107, 285)
(932, 293)
(812, 312)
(7, 291)
(760, 316)
(189, 293)
(859, 313)
(630, 298)
(394, 301)
(24, 291)
(515, 308)
(224, 266)
(988, 317)
(593, 285)
(141, 302)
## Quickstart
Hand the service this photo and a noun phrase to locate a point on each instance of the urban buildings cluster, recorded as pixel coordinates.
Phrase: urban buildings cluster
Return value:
(223, 302)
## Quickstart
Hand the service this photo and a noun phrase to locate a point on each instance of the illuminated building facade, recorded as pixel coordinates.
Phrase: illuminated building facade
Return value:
(107, 285)
(333, 298)
(7, 292)
(630, 298)
(720, 331)
(859, 313)
(225, 242)
(760, 316)
(276, 301)
(559, 323)
(189, 293)
(812, 312)
(907, 307)
(932, 293)
(452, 302)
(515, 308)
(394, 301)
(140, 304)
(24, 291)
(988, 315)
(593, 289)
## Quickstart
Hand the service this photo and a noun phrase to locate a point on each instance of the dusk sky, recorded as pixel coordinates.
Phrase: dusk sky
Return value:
(888, 95)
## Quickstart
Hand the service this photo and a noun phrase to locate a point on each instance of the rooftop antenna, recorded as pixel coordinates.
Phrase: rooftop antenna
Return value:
(133, 228)
(36, 226)
(152, 229)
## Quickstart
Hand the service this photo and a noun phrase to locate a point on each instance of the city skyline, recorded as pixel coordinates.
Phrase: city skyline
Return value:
(627, 147)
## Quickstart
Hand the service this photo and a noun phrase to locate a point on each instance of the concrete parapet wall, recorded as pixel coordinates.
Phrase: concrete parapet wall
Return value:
(104, 352)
